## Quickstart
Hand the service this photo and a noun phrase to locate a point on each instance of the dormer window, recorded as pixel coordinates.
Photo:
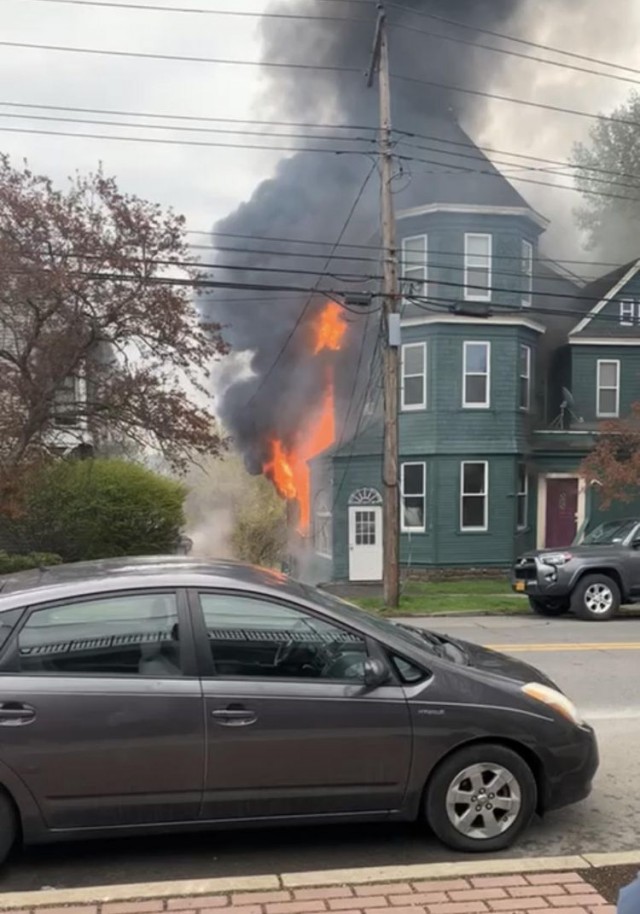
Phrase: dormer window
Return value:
(415, 268)
(477, 267)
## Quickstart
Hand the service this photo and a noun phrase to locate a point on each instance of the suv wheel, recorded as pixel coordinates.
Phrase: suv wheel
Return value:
(596, 598)
(557, 607)
(481, 798)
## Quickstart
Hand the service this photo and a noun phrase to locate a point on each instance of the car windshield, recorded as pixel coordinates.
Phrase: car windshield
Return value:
(610, 533)
(415, 637)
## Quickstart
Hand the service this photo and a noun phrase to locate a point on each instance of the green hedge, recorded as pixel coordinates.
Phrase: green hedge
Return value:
(10, 564)
(103, 508)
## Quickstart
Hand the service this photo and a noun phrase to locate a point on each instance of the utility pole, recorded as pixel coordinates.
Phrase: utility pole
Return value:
(391, 296)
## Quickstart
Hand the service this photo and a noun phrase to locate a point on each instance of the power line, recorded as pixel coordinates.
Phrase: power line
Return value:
(513, 38)
(497, 175)
(375, 247)
(162, 141)
(309, 18)
(519, 54)
(154, 8)
(142, 55)
(180, 128)
(194, 117)
(297, 136)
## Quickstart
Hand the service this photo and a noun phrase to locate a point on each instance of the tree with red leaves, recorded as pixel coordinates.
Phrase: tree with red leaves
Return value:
(86, 304)
(614, 462)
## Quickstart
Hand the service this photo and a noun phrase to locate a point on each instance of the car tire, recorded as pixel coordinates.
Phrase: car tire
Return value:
(556, 607)
(596, 598)
(462, 773)
(8, 826)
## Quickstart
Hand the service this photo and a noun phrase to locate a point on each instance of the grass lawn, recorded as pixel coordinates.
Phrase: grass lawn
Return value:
(481, 596)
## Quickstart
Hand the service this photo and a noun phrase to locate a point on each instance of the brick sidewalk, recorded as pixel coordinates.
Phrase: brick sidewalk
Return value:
(560, 893)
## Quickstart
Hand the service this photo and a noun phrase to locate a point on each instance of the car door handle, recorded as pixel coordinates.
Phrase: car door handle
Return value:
(234, 717)
(13, 714)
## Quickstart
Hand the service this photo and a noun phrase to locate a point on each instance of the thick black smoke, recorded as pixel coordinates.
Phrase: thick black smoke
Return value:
(311, 194)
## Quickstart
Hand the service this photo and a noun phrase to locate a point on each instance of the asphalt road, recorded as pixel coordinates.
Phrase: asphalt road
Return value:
(596, 664)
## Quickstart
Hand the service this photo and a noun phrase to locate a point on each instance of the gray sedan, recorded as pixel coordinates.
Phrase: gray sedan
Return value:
(167, 694)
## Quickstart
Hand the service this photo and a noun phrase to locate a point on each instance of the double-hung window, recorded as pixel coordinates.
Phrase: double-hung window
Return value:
(523, 497)
(474, 490)
(415, 266)
(608, 393)
(476, 375)
(525, 378)
(527, 273)
(477, 267)
(414, 496)
(414, 376)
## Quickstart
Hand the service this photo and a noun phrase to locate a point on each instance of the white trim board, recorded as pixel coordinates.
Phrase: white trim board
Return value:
(475, 209)
(605, 341)
(611, 294)
(464, 319)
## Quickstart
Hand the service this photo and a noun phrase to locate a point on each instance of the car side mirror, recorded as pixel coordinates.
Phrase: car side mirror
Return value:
(376, 673)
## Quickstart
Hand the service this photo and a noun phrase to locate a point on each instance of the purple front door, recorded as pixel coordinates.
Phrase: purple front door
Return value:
(562, 512)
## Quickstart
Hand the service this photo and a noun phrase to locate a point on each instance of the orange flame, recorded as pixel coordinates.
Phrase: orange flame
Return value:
(288, 469)
(329, 328)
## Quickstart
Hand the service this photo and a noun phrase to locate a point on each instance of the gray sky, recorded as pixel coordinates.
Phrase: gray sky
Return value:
(203, 183)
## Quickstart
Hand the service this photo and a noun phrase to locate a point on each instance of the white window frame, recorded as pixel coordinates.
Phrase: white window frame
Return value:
(527, 272)
(524, 377)
(524, 495)
(323, 516)
(77, 419)
(403, 527)
(413, 407)
(424, 280)
(470, 293)
(627, 319)
(600, 387)
(465, 374)
(485, 495)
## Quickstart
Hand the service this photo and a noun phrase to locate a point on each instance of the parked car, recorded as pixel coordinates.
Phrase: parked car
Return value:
(167, 694)
(592, 579)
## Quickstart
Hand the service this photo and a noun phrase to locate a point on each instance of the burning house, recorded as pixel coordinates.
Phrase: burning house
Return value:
(505, 370)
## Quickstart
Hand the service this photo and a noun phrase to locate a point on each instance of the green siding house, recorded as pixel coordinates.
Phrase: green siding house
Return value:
(508, 365)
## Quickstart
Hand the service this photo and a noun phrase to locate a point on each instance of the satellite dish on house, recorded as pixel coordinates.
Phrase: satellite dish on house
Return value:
(567, 406)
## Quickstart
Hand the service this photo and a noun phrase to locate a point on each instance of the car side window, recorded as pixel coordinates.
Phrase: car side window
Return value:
(255, 638)
(125, 635)
(408, 672)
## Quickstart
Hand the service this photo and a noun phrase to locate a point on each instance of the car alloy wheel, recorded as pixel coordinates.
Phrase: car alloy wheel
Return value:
(598, 599)
(483, 801)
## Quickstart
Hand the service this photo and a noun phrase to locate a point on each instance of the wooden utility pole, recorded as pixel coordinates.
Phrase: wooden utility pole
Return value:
(391, 297)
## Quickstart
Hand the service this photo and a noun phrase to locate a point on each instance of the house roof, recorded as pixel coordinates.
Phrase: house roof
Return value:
(600, 292)
(368, 442)
(452, 170)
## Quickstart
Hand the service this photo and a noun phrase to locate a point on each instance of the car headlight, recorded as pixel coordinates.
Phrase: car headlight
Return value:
(553, 699)
(556, 558)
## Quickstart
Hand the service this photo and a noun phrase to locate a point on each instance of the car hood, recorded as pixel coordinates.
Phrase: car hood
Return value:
(578, 551)
(482, 658)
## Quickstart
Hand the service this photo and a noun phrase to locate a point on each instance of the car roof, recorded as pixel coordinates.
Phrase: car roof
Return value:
(59, 581)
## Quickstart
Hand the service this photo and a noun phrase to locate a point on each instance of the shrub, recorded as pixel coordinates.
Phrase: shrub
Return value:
(10, 564)
(92, 509)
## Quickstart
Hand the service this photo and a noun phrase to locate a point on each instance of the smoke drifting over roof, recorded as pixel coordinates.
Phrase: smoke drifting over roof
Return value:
(311, 194)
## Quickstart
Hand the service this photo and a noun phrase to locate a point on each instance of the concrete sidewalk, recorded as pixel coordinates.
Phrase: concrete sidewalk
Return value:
(539, 886)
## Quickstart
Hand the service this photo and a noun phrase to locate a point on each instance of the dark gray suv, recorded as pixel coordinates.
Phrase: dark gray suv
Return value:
(592, 579)
(166, 694)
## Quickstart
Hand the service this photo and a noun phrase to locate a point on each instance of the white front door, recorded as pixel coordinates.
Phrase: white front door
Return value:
(365, 543)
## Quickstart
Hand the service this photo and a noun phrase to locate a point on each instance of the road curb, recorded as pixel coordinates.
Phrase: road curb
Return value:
(481, 866)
